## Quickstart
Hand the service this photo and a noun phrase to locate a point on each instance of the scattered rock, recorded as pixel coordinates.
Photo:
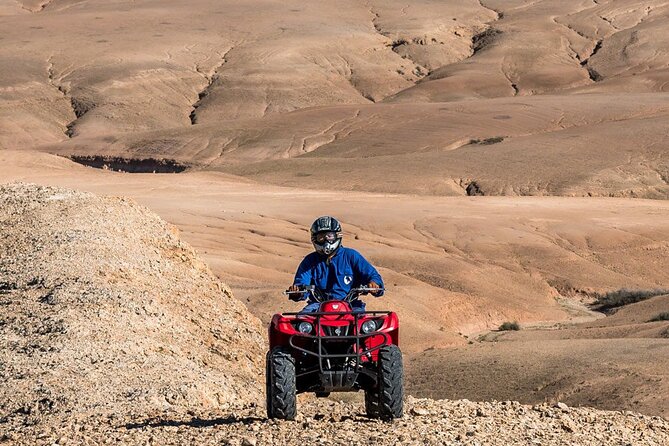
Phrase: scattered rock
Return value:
(562, 406)
(248, 441)
(420, 411)
(480, 412)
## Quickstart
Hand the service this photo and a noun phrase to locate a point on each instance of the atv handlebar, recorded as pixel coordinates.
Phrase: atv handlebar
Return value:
(296, 296)
(319, 295)
(365, 290)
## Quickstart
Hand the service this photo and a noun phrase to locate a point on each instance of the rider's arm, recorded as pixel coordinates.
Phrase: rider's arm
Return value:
(366, 271)
(304, 275)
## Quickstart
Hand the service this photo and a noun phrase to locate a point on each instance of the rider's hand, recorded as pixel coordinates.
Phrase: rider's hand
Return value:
(295, 295)
(375, 286)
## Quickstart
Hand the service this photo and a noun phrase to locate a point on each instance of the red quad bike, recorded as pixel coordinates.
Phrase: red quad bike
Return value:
(334, 350)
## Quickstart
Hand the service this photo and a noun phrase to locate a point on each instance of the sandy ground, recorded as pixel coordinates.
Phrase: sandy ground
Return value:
(452, 266)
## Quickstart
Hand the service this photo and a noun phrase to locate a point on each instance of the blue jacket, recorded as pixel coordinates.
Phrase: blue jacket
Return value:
(345, 270)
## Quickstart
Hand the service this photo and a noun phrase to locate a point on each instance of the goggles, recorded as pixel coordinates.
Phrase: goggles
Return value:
(329, 236)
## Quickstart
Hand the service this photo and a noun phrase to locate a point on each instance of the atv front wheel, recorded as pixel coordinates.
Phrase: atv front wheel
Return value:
(280, 384)
(391, 384)
(372, 403)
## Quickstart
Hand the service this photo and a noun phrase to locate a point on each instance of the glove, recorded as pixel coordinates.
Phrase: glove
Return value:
(375, 286)
(297, 296)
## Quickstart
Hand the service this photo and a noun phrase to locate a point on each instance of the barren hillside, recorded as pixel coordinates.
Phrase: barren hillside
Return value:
(441, 98)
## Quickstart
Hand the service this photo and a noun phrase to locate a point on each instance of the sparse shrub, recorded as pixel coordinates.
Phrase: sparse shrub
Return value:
(506, 326)
(625, 296)
(487, 141)
(473, 189)
(664, 316)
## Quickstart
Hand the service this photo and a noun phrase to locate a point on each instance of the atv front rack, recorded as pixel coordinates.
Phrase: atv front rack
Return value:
(345, 378)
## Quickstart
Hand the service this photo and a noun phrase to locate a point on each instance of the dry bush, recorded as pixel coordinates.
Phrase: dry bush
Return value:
(664, 316)
(625, 296)
(509, 326)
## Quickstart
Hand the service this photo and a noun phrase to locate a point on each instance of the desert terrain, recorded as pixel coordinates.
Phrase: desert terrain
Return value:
(496, 160)
(143, 345)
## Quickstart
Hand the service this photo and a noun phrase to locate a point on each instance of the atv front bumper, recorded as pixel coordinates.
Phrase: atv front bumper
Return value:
(337, 362)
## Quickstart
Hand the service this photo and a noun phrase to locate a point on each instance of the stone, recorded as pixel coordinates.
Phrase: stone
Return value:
(562, 406)
(249, 441)
(420, 411)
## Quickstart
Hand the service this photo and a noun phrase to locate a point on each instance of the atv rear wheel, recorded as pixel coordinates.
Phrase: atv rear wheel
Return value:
(280, 384)
(391, 383)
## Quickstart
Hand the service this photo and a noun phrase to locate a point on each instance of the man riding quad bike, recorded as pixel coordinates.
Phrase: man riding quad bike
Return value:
(333, 344)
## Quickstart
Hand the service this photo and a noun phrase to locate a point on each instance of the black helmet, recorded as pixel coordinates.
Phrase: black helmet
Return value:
(326, 235)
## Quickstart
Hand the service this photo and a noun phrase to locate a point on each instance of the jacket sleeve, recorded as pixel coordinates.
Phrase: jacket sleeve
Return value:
(366, 271)
(303, 274)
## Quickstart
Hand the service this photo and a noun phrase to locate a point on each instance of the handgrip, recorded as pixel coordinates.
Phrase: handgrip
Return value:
(298, 295)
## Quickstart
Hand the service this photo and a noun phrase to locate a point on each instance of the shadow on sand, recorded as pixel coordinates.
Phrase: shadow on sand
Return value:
(194, 422)
(232, 419)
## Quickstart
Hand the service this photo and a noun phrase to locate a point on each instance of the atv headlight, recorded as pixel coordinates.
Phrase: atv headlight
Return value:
(368, 326)
(304, 327)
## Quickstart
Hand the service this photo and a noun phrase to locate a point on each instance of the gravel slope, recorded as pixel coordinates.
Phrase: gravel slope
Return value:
(104, 310)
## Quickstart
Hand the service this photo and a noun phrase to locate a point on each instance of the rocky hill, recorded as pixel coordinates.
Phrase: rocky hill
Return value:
(104, 311)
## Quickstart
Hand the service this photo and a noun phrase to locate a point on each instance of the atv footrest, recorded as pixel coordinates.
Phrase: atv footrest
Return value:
(338, 380)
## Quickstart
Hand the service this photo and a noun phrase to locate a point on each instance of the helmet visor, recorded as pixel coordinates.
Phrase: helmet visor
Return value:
(323, 237)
